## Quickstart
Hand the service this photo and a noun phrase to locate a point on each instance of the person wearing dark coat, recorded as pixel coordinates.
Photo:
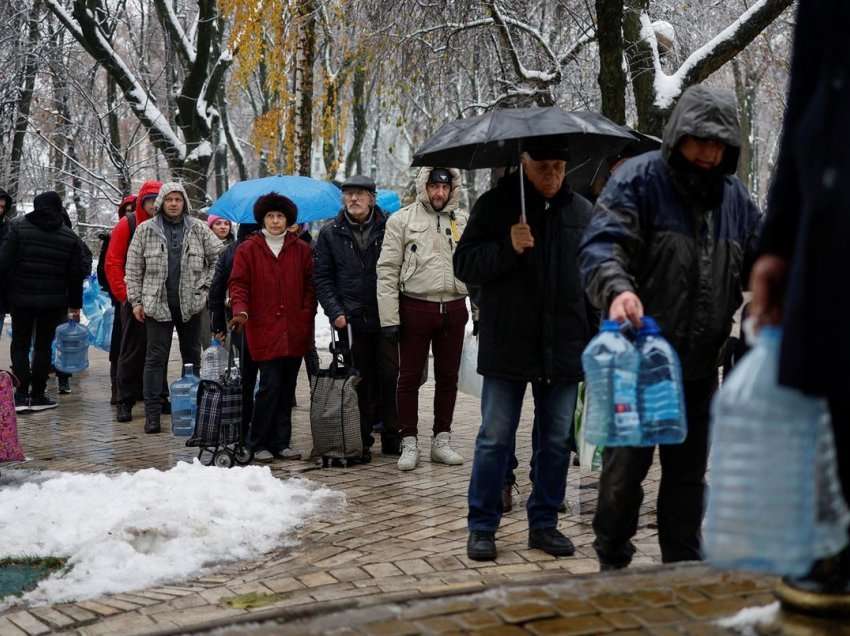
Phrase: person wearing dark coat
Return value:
(533, 325)
(220, 315)
(42, 261)
(800, 280)
(673, 236)
(272, 296)
(345, 275)
(5, 210)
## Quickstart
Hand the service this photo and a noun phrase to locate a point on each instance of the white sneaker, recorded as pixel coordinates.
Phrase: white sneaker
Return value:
(442, 453)
(263, 456)
(409, 454)
(289, 453)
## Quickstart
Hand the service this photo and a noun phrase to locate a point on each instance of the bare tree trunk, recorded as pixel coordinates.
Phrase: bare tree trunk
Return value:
(641, 69)
(359, 106)
(115, 144)
(24, 103)
(305, 60)
(612, 77)
(329, 127)
(746, 86)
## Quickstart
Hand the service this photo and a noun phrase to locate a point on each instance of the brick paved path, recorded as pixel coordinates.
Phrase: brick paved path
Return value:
(402, 534)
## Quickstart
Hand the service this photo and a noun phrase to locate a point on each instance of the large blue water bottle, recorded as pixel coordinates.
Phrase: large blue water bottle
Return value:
(611, 365)
(661, 396)
(72, 347)
(184, 393)
(213, 362)
(761, 511)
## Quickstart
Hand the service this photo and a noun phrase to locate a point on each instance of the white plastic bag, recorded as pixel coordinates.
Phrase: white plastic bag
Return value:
(590, 455)
(469, 381)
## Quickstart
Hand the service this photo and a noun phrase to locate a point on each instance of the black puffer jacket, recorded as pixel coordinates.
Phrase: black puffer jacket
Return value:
(682, 241)
(42, 260)
(534, 318)
(4, 229)
(345, 277)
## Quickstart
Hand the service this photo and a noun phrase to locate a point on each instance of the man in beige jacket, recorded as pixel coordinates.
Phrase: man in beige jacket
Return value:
(422, 305)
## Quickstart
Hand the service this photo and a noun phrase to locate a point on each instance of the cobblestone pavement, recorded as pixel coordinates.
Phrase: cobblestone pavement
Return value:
(402, 535)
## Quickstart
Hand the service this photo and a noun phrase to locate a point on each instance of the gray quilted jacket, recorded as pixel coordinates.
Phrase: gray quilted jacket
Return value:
(147, 263)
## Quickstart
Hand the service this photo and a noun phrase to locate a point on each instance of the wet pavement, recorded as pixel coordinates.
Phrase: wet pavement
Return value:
(401, 539)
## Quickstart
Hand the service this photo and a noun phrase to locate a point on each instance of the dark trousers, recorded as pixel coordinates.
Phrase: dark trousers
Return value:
(115, 349)
(271, 427)
(131, 356)
(376, 359)
(248, 373)
(158, 336)
(36, 328)
(680, 495)
(439, 326)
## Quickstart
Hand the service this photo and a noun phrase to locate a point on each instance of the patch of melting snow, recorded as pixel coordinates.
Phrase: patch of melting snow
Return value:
(745, 621)
(128, 531)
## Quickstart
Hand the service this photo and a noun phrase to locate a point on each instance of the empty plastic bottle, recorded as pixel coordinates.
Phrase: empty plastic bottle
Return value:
(184, 398)
(611, 365)
(72, 347)
(661, 399)
(761, 511)
(213, 362)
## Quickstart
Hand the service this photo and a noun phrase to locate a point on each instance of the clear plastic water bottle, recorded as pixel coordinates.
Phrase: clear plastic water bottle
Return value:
(611, 365)
(661, 396)
(213, 362)
(72, 347)
(761, 509)
(184, 396)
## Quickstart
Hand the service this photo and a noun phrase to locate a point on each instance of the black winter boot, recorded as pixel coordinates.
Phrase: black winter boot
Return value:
(124, 412)
(152, 423)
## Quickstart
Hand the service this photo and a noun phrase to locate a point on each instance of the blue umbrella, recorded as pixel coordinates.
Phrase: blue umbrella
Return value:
(388, 201)
(316, 200)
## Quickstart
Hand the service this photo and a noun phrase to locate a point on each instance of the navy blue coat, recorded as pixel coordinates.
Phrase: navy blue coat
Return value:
(688, 263)
(345, 277)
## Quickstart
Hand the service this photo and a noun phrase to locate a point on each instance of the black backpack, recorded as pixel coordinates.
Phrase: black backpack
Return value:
(101, 260)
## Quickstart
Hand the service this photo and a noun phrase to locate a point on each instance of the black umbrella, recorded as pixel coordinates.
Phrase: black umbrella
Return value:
(497, 138)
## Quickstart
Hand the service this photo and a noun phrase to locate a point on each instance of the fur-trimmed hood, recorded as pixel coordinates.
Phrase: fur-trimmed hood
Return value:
(422, 193)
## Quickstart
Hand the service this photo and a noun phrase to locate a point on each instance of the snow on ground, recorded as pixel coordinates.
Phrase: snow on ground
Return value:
(128, 531)
(748, 619)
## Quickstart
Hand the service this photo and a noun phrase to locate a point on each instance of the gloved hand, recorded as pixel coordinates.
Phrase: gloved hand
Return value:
(392, 334)
(474, 327)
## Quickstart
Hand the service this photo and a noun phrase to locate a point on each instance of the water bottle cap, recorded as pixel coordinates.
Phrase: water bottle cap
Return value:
(649, 327)
(214, 342)
(188, 369)
(610, 325)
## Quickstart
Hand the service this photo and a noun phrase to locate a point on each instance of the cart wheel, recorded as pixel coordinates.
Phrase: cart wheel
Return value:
(344, 463)
(223, 458)
(209, 460)
(243, 455)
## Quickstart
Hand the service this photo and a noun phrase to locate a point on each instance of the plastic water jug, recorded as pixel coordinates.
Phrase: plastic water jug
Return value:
(611, 365)
(213, 362)
(72, 347)
(661, 396)
(771, 500)
(184, 394)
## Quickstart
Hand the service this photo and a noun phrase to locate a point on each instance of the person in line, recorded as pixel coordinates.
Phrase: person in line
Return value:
(346, 278)
(43, 263)
(798, 281)
(220, 315)
(5, 211)
(272, 297)
(127, 205)
(169, 269)
(534, 324)
(223, 230)
(673, 236)
(131, 351)
(422, 305)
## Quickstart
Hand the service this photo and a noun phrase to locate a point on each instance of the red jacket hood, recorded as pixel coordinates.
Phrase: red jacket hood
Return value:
(130, 198)
(149, 188)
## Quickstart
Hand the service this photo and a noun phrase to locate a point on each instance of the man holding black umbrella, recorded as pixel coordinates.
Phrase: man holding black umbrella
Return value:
(534, 324)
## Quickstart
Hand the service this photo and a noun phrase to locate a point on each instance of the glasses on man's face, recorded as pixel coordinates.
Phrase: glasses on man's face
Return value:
(352, 194)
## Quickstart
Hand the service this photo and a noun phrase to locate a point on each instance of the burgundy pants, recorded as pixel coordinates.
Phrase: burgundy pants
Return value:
(440, 327)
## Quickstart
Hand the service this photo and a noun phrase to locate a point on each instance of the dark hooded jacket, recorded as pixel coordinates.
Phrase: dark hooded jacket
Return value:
(534, 318)
(42, 260)
(4, 229)
(219, 308)
(345, 273)
(682, 238)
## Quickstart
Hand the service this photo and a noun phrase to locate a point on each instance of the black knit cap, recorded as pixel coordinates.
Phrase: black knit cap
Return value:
(274, 202)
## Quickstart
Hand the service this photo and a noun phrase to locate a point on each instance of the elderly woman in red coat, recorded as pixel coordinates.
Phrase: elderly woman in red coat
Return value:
(272, 296)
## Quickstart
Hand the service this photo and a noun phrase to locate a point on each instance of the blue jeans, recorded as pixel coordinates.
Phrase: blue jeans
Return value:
(501, 405)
